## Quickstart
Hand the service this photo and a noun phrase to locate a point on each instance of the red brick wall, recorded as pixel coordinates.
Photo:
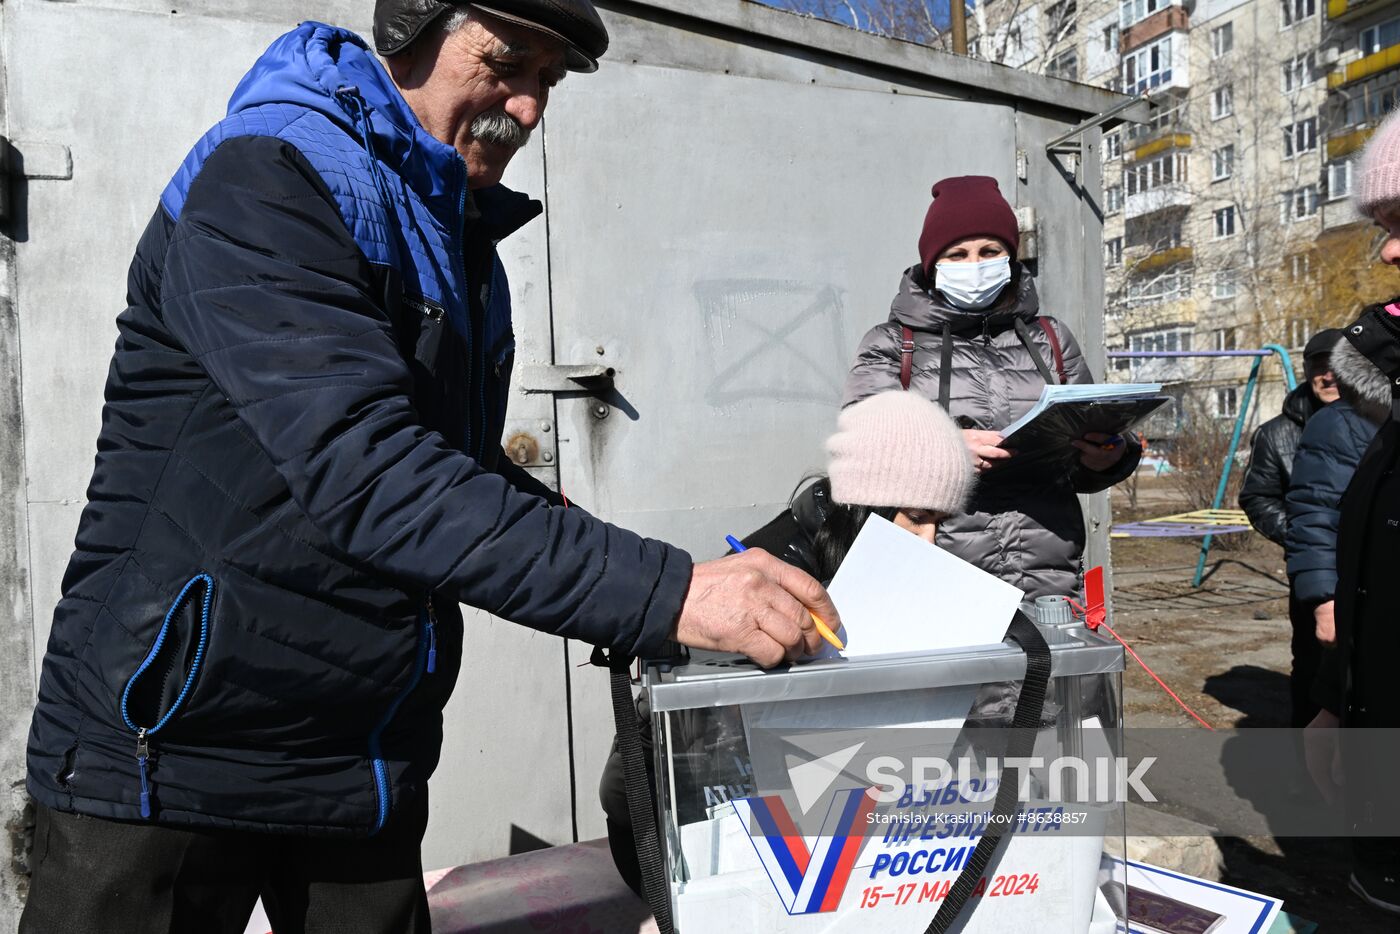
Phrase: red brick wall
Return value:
(1155, 26)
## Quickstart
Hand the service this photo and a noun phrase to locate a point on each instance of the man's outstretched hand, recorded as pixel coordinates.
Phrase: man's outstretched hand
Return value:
(754, 604)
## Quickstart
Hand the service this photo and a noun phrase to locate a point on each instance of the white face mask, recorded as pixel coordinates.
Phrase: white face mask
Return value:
(973, 286)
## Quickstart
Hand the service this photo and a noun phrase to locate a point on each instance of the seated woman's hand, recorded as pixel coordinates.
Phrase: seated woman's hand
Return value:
(1100, 452)
(986, 453)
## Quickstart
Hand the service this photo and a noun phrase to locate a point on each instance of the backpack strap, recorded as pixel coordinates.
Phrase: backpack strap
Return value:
(1055, 349)
(945, 368)
(906, 358)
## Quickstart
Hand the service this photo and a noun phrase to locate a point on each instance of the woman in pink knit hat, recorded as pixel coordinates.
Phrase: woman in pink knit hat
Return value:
(896, 455)
(1356, 684)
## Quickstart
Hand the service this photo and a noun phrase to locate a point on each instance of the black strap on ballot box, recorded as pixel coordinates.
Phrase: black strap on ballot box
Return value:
(1025, 723)
(640, 807)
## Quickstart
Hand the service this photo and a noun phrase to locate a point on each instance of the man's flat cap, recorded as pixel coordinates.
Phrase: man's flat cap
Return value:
(573, 22)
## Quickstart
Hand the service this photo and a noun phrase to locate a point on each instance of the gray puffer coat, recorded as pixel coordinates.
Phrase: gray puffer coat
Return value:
(1023, 526)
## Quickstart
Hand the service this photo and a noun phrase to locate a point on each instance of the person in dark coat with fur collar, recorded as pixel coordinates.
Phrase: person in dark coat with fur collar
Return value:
(1329, 449)
(1356, 686)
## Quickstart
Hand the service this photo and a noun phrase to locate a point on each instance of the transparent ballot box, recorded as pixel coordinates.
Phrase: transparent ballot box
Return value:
(850, 795)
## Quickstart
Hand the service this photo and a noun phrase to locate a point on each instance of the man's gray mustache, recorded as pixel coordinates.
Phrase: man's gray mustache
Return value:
(499, 128)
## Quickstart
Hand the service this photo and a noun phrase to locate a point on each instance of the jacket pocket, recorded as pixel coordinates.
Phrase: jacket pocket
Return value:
(162, 683)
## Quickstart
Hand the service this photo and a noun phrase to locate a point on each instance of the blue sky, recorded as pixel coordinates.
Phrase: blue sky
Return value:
(940, 9)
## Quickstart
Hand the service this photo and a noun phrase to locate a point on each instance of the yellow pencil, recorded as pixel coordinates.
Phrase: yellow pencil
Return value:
(825, 630)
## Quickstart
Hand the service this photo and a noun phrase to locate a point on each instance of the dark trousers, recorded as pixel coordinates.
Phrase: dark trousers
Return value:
(1307, 658)
(123, 878)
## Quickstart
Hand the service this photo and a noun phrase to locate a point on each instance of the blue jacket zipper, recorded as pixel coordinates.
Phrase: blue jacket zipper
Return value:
(426, 663)
(143, 733)
(476, 343)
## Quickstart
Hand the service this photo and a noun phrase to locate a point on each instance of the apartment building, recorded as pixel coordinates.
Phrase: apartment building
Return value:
(1363, 84)
(1222, 213)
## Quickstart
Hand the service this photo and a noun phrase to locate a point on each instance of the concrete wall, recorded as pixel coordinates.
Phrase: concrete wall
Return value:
(730, 203)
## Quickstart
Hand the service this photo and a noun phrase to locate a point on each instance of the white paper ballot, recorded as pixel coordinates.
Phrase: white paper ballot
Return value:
(896, 593)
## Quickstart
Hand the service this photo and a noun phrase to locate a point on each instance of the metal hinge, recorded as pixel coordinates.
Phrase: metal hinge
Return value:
(31, 160)
(549, 378)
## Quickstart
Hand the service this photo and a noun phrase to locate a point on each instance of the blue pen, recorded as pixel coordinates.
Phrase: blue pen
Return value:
(822, 628)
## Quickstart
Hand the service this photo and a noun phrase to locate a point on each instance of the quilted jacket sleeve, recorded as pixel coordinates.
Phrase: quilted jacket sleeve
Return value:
(265, 287)
(1077, 370)
(1263, 497)
(876, 368)
(1331, 448)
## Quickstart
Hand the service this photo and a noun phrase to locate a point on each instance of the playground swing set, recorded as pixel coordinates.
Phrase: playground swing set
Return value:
(1214, 521)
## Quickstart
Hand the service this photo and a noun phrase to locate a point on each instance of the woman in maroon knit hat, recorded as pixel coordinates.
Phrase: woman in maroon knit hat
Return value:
(966, 331)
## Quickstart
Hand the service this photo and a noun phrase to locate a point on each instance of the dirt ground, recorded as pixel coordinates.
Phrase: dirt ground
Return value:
(1225, 649)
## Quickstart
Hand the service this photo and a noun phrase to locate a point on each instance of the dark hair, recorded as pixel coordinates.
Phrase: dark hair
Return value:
(838, 531)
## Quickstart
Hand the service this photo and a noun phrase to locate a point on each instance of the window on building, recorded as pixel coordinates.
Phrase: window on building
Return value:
(1124, 363)
(1298, 72)
(1112, 38)
(1222, 40)
(1338, 180)
(1295, 11)
(1112, 146)
(1157, 289)
(1227, 402)
(1225, 222)
(1222, 162)
(1380, 36)
(1300, 137)
(1065, 65)
(1135, 11)
(1113, 199)
(1157, 172)
(1015, 42)
(1113, 251)
(1062, 18)
(1169, 116)
(1148, 67)
(1163, 340)
(1299, 267)
(1223, 338)
(1222, 102)
(1299, 203)
(1371, 101)
(1226, 282)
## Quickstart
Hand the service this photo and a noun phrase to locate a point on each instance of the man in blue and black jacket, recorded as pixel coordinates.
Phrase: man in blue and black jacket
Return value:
(1329, 451)
(299, 477)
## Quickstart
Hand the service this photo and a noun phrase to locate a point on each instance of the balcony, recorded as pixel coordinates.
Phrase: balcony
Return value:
(1341, 213)
(1374, 64)
(1344, 11)
(1168, 19)
(1164, 259)
(1162, 144)
(1344, 144)
(1157, 199)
